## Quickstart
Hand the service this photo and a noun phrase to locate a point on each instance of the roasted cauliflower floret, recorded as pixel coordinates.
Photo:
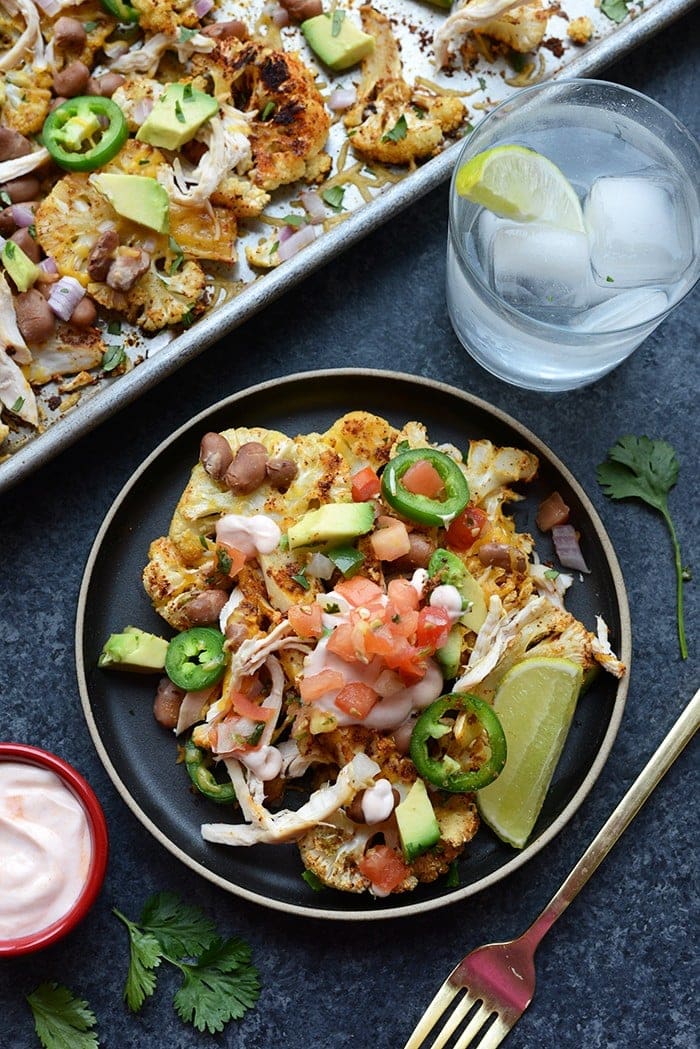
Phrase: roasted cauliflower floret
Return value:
(166, 16)
(580, 30)
(289, 122)
(392, 122)
(25, 99)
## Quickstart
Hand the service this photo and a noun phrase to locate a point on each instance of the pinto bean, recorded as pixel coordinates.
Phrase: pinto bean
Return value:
(215, 455)
(128, 265)
(105, 85)
(421, 550)
(7, 222)
(502, 556)
(280, 473)
(69, 34)
(553, 511)
(85, 314)
(24, 240)
(236, 634)
(35, 319)
(21, 190)
(247, 471)
(226, 30)
(72, 80)
(166, 705)
(300, 10)
(204, 609)
(13, 145)
(102, 254)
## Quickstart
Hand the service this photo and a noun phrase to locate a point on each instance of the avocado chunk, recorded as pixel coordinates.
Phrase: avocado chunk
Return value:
(177, 116)
(136, 197)
(337, 41)
(332, 524)
(418, 827)
(452, 571)
(450, 655)
(134, 649)
(20, 267)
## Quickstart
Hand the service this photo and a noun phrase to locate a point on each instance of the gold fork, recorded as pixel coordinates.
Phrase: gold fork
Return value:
(492, 987)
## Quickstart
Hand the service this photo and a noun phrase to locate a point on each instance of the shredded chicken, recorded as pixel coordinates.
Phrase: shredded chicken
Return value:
(30, 41)
(194, 186)
(19, 166)
(475, 14)
(146, 59)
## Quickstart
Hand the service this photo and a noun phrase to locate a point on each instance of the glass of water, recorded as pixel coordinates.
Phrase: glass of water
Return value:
(552, 309)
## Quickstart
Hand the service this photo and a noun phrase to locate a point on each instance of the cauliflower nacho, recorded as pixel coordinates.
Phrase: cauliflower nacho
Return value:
(343, 607)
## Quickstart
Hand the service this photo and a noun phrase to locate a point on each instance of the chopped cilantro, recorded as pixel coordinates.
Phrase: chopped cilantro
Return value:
(615, 10)
(114, 328)
(551, 573)
(267, 111)
(17, 406)
(399, 131)
(179, 114)
(203, 542)
(187, 318)
(452, 879)
(333, 197)
(113, 357)
(301, 579)
(337, 22)
(482, 83)
(5, 198)
(178, 257)
(187, 93)
(90, 26)
(294, 220)
(313, 881)
(186, 34)
(223, 561)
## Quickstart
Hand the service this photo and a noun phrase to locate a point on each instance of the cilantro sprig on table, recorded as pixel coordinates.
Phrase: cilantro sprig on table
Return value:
(219, 982)
(641, 468)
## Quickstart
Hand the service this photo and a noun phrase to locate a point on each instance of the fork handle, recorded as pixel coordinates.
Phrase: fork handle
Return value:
(659, 763)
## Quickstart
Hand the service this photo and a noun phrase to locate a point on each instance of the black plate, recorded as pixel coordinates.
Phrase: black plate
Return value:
(140, 756)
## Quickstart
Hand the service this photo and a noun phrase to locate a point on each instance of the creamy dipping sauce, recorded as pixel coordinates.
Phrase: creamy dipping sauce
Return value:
(45, 849)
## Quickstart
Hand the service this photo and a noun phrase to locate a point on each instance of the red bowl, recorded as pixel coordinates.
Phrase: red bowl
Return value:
(99, 852)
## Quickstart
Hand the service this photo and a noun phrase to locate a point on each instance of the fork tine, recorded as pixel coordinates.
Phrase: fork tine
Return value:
(493, 1037)
(474, 1026)
(460, 1011)
(432, 1014)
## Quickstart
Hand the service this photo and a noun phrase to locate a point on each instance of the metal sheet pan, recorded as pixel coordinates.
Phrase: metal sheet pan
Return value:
(163, 356)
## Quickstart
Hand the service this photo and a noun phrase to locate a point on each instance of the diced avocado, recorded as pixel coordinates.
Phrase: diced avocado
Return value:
(418, 828)
(450, 655)
(337, 41)
(333, 523)
(134, 649)
(136, 197)
(453, 572)
(472, 594)
(177, 116)
(19, 266)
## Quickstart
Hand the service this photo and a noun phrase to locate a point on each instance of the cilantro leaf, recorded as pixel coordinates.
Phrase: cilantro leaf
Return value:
(180, 929)
(333, 197)
(641, 468)
(144, 957)
(399, 131)
(61, 1020)
(221, 986)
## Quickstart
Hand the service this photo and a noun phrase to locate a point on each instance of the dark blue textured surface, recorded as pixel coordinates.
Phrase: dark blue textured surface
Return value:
(619, 970)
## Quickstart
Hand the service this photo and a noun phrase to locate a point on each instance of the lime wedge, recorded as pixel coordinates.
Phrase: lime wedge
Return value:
(535, 703)
(520, 184)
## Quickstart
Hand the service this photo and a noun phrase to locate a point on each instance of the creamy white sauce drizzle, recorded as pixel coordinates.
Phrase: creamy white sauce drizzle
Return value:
(251, 535)
(45, 849)
(265, 762)
(378, 802)
(448, 597)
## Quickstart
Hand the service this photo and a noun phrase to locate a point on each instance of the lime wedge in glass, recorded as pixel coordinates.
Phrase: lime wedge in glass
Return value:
(520, 184)
(535, 703)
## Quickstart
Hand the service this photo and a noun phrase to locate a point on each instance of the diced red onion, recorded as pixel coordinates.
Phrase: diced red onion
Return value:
(203, 7)
(296, 242)
(280, 17)
(22, 215)
(285, 233)
(320, 566)
(342, 98)
(65, 295)
(567, 547)
(313, 205)
(49, 7)
(48, 266)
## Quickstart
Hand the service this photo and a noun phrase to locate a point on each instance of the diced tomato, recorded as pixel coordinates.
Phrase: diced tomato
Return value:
(402, 595)
(318, 684)
(365, 485)
(391, 542)
(466, 528)
(356, 699)
(342, 643)
(423, 479)
(247, 709)
(383, 867)
(237, 558)
(404, 624)
(358, 590)
(306, 620)
(407, 660)
(379, 641)
(433, 627)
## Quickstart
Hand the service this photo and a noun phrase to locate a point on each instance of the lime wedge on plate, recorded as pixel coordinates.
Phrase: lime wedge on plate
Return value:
(535, 703)
(520, 184)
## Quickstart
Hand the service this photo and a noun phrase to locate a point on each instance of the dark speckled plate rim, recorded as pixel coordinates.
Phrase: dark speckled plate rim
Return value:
(624, 650)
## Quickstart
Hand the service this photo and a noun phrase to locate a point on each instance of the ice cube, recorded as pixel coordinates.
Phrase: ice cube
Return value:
(487, 225)
(625, 310)
(534, 266)
(639, 229)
